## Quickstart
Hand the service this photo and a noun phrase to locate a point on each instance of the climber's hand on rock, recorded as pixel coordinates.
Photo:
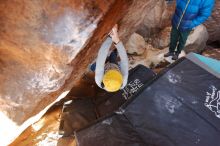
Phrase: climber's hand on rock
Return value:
(114, 34)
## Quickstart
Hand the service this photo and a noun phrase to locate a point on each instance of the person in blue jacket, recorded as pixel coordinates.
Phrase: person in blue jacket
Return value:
(188, 15)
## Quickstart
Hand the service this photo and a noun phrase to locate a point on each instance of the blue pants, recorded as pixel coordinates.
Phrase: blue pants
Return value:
(112, 59)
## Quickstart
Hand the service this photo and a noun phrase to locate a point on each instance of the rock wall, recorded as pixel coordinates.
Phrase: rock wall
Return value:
(43, 44)
(134, 19)
(37, 47)
(158, 18)
(213, 23)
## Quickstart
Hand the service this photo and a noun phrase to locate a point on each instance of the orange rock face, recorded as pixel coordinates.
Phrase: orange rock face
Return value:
(45, 46)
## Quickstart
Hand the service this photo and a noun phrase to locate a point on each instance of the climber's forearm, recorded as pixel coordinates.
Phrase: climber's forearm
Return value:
(124, 62)
(100, 62)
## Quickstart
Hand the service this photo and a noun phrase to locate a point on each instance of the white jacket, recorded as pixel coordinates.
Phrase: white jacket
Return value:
(102, 56)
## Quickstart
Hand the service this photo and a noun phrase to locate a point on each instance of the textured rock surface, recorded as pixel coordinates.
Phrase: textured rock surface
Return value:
(212, 52)
(213, 23)
(135, 44)
(42, 44)
(162, 39)
(135, 16)
(196, 41)
(156, 19)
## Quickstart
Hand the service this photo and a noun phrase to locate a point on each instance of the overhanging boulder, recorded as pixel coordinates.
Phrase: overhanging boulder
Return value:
(43, 44)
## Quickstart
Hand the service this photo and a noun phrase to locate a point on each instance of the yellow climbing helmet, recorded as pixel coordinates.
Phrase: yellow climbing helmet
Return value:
(112, 80)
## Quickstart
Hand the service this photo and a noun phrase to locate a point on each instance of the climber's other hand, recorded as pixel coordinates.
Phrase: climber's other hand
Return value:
(114, 34)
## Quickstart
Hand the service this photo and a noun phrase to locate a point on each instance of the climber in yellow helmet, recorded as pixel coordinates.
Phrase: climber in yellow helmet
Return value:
(111, 74)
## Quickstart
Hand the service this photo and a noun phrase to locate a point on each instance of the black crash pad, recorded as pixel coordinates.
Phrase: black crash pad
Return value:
(170, 111)
(78, 113)
(138, 76)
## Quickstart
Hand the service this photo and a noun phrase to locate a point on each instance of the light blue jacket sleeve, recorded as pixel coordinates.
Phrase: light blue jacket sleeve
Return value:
(124, 62)
(204, 12)
(100, 62)
(103, 54)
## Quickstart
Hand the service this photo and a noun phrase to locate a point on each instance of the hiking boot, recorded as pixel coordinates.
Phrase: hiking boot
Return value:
(169, 54)
(175, 57)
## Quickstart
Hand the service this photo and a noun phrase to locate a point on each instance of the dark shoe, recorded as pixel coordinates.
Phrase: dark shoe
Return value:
(169, 54)
(175, 57)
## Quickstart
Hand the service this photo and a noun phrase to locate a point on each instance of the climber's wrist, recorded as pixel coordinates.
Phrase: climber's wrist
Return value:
(116, 41)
